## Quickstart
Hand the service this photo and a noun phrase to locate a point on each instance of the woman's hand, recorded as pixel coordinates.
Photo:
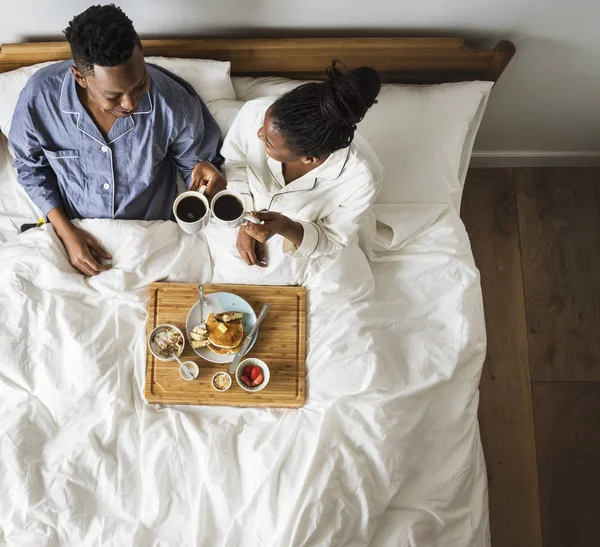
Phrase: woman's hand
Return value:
(275, 223)
(206, 174)
(251, 251)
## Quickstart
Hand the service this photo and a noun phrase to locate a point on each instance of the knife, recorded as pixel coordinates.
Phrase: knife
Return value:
(248, 340)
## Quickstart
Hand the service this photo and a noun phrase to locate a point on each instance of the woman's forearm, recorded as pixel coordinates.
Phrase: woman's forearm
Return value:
(293, 231)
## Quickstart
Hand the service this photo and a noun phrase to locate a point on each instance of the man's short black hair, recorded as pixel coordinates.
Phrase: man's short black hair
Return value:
(101, 35)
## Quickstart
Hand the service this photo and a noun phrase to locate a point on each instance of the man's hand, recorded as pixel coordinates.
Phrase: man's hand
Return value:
(206, 174)
(275, 223)
(83, 250)
(251, 251)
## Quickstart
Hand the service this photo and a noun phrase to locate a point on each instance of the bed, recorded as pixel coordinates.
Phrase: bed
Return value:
(386, 450)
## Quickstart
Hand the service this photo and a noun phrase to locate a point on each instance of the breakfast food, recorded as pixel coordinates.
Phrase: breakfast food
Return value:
(199, 338)
(221, 381)
(227, 316)
(237, 348)
(252, 375)
(224, 333)
(167, 342)
(217, 349)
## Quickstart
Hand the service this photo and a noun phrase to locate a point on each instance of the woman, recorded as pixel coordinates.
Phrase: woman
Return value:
(298, 162)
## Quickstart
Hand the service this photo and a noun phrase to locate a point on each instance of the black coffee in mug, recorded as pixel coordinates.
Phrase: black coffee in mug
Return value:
(228, 207)
(191, 209)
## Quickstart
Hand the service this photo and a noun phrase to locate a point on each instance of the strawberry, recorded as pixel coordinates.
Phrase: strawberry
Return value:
(248, 371)
(258, 380)
(247, 381)
(254, 373)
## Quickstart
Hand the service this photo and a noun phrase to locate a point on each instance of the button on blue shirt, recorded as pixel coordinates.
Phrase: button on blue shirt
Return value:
(62, 159)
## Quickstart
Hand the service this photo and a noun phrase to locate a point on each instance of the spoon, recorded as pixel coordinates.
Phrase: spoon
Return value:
(186, 370)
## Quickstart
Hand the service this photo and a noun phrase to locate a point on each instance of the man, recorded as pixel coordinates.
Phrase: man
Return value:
(104, 138)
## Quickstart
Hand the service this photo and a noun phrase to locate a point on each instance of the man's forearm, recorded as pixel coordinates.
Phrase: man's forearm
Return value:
(60, 222)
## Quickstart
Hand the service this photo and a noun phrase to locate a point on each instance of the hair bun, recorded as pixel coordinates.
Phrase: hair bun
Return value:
(346, 95)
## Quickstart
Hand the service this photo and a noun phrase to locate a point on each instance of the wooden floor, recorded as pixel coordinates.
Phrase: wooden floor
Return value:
(535, 235)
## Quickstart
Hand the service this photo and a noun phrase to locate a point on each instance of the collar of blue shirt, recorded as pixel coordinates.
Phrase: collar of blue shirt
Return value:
(71, 105)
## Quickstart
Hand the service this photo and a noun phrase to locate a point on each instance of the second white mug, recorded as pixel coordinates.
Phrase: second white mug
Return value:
(229, 209)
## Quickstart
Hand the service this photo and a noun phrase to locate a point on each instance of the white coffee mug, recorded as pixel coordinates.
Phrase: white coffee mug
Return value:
(236, 222)
(197, 225)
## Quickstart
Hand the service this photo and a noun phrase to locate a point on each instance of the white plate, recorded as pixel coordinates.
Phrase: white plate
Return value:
(219, 302)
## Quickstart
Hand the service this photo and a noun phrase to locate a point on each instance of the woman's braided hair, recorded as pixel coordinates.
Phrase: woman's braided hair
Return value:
(316, 119)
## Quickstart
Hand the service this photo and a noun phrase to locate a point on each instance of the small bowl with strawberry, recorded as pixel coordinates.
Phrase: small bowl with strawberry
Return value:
(252, 375)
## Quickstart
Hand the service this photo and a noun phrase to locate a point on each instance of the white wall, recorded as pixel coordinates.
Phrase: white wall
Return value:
(546, 100)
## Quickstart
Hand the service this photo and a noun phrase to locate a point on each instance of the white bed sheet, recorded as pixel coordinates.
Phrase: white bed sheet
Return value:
(386, 451)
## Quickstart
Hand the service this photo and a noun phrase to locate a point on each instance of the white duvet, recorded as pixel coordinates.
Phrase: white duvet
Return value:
(386, 451)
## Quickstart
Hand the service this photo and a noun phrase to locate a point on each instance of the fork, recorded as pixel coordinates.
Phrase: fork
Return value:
(202, 323)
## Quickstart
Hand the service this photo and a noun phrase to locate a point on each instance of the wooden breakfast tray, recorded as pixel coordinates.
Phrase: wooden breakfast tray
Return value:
(281, 345)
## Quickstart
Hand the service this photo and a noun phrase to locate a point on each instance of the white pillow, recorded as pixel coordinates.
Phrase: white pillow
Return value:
(224, 112)
(247, 88)
(209, 78)
(423, 135)
(11, 84)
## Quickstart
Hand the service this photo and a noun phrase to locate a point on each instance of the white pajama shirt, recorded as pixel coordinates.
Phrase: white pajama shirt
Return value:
(329, 201)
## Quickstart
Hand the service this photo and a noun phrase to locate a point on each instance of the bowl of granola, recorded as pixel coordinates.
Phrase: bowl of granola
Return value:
(165, 341)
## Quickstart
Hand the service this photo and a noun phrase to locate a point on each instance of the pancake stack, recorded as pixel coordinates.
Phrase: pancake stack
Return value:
(224, 333)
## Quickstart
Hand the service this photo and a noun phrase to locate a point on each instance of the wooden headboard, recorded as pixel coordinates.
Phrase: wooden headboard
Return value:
(400, 60)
